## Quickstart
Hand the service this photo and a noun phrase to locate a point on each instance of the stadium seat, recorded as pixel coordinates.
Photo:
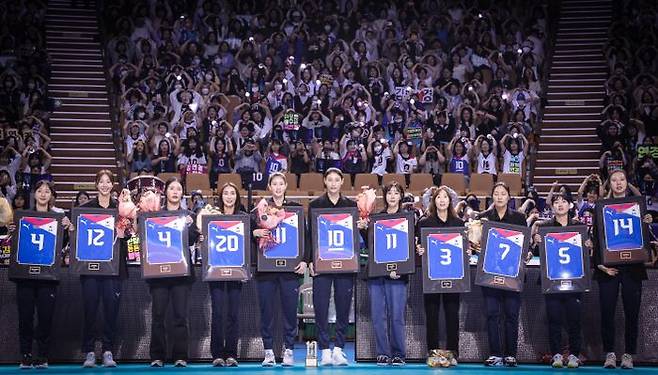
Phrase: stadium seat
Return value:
(513, 181)
(481, 184)
(455, 181)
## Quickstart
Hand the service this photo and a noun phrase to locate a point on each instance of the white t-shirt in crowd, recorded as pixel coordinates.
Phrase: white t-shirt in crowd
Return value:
(405, 166)
(487, 164)
(379, 165)
(513, 163)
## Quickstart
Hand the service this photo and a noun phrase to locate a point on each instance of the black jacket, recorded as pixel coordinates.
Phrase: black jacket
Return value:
(123, 244)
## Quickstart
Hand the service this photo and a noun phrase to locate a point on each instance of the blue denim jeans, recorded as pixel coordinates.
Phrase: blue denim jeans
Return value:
(388, 299)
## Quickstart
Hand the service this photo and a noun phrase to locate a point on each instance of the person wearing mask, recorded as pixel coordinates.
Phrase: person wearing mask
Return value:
(102, 288)
(562, 304)
(39, 295)
(343, 284)
(611, 279)
(498, 299)
(440, 214)
(174, 289)
(285, 283)
(225, 295)
(388, 298)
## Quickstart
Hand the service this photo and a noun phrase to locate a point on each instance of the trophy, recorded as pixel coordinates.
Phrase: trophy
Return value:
(311, 354)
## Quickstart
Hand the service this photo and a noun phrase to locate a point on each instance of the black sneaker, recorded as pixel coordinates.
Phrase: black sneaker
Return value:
(510, 362)
(397, 361)
(40, 363)
(26, 362)
(383, 360)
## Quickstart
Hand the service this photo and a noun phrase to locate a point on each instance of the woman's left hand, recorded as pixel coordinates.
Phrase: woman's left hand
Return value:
(394, 275)
(647, 219)
(188, 220)
(301, 268)
(66, 224)
(589, 244)
(362, 223)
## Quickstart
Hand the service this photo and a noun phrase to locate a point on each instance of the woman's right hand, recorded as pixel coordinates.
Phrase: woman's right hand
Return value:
(609, 270)
(11, 228)
(420, 250)
(261, 232)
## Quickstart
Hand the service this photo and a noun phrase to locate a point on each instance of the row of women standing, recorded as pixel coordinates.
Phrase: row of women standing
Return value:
(388, 295)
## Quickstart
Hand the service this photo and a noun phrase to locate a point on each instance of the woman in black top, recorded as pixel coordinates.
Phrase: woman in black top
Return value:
(343, 283)
(226, 295)
(37, 294)
(495, 299)
(388, 297)
(105, 288)
(559, 304)
(286, 283)
(629, 278)
(176, 289)
(441, 213)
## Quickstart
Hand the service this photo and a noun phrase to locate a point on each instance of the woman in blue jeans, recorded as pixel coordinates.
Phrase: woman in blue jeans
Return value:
(388, 298)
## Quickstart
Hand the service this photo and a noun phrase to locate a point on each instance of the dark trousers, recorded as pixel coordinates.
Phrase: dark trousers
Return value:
(343, 291)
(510, 303)
(558, 307)
(631, 295)
(288, 295)
(388, 300)
(451, 309)
(39, 295)
(162, 292)
(95, 289)
(225, 295)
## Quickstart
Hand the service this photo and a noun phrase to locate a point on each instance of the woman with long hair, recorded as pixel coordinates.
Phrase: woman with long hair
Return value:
(39, 295)
(105, 288)
(440, 214)
(388, 297)
(174, 289)
(225, 295)
(629, 279)
(287, 284)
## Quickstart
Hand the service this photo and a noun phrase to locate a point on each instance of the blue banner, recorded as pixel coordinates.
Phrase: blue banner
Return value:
(164, 240)
(335, 236)
(95, 237)
(37, 241)
(445, 256)
(623, 226)
(391, 240)
(287, 237)
(564, 256)
(226, 243)
(503, 253)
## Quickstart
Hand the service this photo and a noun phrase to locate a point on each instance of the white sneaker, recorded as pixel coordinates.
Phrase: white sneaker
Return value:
(610, 360)
(627, 361)
(90, 360)
(326, 358)
(558, 361)
(108, 360)
(269, 360)
(339, 357)
(573, 361)
(288, 358)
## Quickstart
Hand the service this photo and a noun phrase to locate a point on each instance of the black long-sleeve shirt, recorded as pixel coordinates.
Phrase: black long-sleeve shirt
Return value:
(434, 222)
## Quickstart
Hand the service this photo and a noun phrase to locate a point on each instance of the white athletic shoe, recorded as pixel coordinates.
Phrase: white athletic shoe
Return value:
(627, 361)
(288, 358)
(573, 361)
(558, 361)
(90, 360)
(326, 358)
(610, 360)
(269, 360)
(339, 357)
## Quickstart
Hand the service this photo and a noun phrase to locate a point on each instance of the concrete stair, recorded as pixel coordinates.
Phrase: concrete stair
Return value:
(80, 128)
(569, 147)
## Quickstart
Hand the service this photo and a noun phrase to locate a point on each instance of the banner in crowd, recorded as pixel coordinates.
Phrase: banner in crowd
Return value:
(623, 235)
(564, 259)
(289, 236)
(94, 246)
(501, 264)
(226, 249)
(392, 244)
(445, 261)
(38, 242)
(164, 240)
(335, 239)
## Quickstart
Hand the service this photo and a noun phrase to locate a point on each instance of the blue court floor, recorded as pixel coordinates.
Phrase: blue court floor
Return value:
(353, 369)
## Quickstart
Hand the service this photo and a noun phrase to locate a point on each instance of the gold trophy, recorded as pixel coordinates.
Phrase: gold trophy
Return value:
(311, 354)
